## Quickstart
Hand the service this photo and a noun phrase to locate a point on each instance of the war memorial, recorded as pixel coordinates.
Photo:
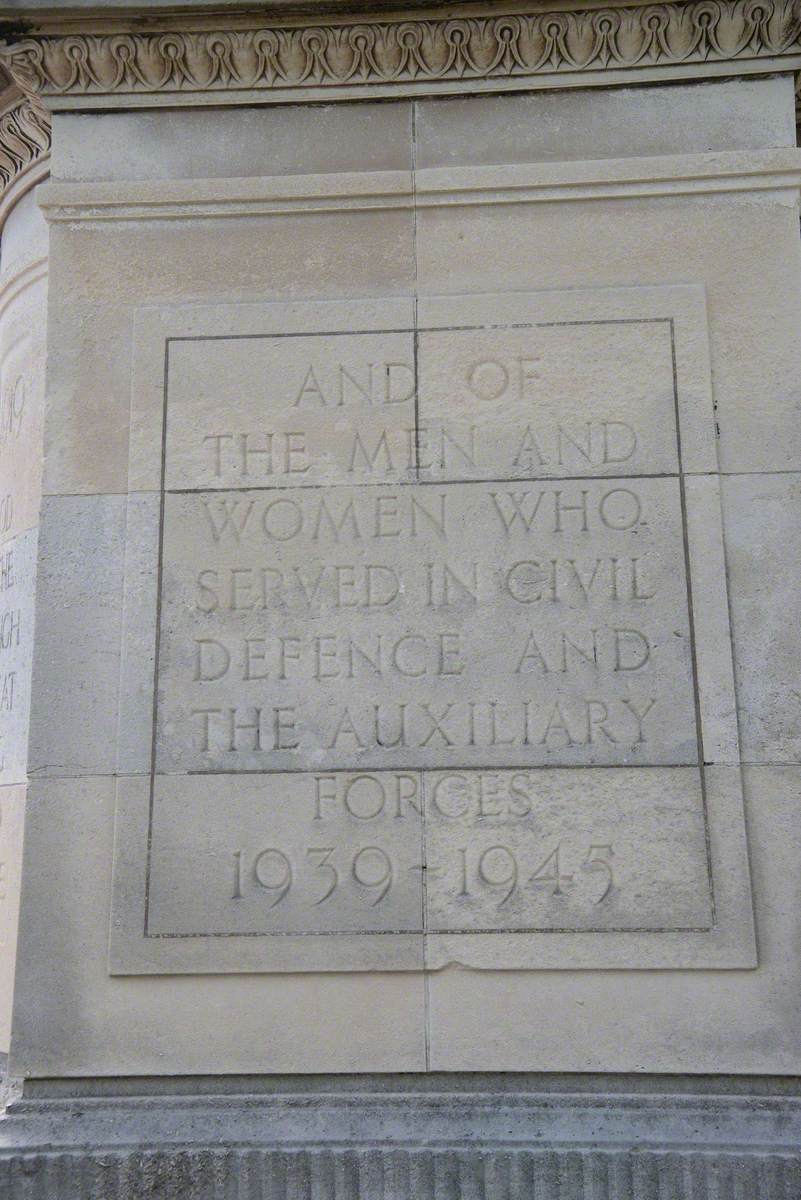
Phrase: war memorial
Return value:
(400, 600)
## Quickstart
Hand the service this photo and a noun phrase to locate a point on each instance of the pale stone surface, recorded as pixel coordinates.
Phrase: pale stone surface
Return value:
(695, 237)
(695, 1021)
(284, 872)
(12, 813)
(236, 143)
(720, 741)
(25, 239)
(565, 384)
(319, 610)
(569, 851)
(738, 114)
(68, 1009)
(359, 254)
(368, 881)
(734, 114)
(23, 294)
(139, 620)
(762, 516)
(23, 299)
(309, 669)
(283, 410)
(513, 1136)
(699, 1021)
(76, 676)
(719, 879)
(536, 852)
(17, 587)
(745, 250)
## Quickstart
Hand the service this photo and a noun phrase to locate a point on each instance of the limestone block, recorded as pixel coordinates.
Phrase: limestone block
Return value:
(139, 608)
(285, 872)
(762, 514)
(511, 891)
(253, 675)
(68, 1008)
(332, 556)
(106, 278)
(303, 392)
(76, 670)
(17, 589)
(72, 1018)
(697, 1021)
(25, 242)
(12, 812)
(395, 597)
(23, 298)
(743, 248)
(241, 142)
(512, 1136)
(738, 114)
(505, 850)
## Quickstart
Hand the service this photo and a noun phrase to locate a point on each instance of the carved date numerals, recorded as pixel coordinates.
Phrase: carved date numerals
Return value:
(499, 869)
(321, 872)
(368, 871)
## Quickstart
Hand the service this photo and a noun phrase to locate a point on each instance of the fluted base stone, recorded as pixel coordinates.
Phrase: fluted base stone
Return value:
(402, 1139)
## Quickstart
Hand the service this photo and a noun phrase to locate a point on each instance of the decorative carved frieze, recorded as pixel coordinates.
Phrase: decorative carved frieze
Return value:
(393, 54)
(24, 139)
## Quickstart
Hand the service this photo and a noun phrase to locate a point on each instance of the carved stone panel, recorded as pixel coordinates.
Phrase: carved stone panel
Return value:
(417, 677)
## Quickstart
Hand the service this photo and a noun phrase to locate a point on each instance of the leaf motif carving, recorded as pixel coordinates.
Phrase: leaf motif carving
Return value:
(24, 138)
(368, 52)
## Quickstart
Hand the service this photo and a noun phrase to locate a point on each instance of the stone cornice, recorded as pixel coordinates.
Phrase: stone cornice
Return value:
(379, 55)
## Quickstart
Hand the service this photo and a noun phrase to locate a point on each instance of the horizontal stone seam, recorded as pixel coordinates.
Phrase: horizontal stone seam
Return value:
(110, 211)
(460, 1104)
(792, 471)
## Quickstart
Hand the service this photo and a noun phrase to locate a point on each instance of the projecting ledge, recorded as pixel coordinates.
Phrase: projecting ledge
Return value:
(669, 175)
(393, 1137)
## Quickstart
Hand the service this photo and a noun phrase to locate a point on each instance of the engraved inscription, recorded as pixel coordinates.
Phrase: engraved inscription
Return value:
(383, 851)
(291, 411)
(572, 850)
(554, 401)
(425, 661)
(359, 625)
(313, 853)
(395, 552)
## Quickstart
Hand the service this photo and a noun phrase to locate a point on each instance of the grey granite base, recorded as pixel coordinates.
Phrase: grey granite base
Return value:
(403, 1138)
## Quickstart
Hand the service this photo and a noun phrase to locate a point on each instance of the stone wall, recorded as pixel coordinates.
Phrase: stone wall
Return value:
(414, 688)
(23, 296)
